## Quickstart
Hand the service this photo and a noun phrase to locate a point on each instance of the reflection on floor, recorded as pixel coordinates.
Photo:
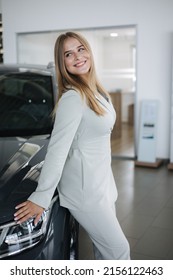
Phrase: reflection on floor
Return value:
(124, 145)
(144, 209)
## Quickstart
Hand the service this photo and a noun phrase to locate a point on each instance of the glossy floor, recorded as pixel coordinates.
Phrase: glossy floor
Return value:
(144, 209)
(124, 145)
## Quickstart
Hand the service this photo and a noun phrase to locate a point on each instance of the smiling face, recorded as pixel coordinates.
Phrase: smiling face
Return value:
(76, 58)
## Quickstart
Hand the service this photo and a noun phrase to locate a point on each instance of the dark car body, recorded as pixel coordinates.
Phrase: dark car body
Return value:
(27, 98)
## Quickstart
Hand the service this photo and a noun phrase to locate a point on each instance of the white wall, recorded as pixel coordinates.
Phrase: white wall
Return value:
(154, 22)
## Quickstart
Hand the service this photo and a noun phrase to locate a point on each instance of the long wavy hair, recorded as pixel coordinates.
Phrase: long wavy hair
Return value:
(68, 81)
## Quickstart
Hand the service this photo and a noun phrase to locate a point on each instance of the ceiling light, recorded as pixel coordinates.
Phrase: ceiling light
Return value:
(114, 34)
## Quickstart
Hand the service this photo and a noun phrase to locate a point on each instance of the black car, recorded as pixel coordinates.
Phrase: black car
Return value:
(27, 98)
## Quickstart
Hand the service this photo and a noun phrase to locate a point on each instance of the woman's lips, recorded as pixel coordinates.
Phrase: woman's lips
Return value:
(79, 64)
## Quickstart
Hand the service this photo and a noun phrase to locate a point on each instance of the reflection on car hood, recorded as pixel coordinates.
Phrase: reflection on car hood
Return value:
(19, 176)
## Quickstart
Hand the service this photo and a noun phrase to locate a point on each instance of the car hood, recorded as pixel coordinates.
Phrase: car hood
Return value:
(19, 176)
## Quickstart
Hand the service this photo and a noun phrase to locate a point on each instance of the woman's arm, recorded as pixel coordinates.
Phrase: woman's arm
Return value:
(68, 117)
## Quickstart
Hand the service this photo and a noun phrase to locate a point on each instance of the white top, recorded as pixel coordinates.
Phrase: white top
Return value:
(78, 161)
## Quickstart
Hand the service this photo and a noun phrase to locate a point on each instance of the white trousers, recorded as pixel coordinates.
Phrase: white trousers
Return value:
(105, 232)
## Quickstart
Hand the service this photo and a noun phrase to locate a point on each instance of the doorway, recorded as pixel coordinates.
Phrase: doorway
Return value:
(115, 56)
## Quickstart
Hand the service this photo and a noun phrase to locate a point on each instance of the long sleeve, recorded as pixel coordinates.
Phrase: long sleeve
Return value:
(68, 117)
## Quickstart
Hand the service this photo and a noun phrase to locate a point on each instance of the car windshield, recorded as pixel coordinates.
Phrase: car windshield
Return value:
(26, 103)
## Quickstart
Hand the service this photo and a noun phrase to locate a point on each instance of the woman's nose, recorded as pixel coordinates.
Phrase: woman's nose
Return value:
(77, 56)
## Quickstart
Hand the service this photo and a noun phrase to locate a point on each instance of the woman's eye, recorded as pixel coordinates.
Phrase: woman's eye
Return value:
(81, 49)
(68, 54)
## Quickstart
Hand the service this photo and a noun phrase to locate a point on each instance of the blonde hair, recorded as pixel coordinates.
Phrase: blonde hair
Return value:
(67, 80)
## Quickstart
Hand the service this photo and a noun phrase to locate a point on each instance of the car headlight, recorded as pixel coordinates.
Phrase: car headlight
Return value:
(15, 238)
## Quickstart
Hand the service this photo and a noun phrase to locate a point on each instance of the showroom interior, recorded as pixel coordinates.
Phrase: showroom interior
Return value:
(132, 43)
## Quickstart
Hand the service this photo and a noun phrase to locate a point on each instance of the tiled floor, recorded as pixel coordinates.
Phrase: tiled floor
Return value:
(144, 209)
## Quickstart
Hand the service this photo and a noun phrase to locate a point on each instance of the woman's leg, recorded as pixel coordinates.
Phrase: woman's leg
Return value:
(105, 232)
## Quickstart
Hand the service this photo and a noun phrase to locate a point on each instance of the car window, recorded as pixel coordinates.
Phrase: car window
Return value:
(26, 103)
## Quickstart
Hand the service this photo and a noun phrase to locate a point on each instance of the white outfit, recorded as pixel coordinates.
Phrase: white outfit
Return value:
(105, 232)
(78, 161)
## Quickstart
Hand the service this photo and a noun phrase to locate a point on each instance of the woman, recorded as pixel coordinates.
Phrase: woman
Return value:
(78, 160)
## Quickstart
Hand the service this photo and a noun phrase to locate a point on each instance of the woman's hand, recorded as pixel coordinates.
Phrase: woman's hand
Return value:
(28, 210)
